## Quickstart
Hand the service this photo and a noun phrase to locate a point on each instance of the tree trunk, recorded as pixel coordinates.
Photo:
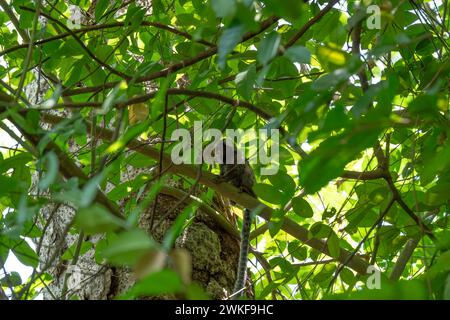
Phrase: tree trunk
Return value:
(213, 251)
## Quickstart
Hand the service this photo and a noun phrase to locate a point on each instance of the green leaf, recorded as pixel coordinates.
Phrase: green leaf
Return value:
(49, 103)
(229, 39)
(9, 186)
(26, 19)
(321, 231)
(186, 19)
(347, 276)
(447, 288)
(442, 265)
(133, 218)
(328, 160)
(25, 254)
(128, 247)
(195, 292)
(224, 8)
(298, 54)
(69, 253)
(100, 8)
(439, 163)
(90, 190)
(269, 193)
(97, 219)
(19, 160)
(158, 102)
(112, 98)
(268, 47)
(332, 57)
(12, 279)
(162, 282)
(283, 182)
(331, 80)
(334, 246)
(245, 81)
(291, 9)
(401, 290)
(52, 170)
(325, 273)
(297, 250)
(276, 222)
(182, 221)
(302, 207)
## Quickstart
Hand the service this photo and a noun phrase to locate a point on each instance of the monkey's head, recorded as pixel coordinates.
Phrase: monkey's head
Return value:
(228, 153)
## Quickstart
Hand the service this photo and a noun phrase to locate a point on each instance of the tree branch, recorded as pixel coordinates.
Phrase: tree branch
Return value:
(366, 175)
(227, 190)
(174, 67)
(403, 259)
(67, 167)
(83, 46)
(14, 21)
(86, 29)
(383, 160)
(310, 23)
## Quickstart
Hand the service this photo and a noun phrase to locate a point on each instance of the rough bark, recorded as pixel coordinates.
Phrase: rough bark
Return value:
(213, 251)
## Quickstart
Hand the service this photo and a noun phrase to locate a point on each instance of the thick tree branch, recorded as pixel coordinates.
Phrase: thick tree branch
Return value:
(403, 259)
(216, 216)
(67, 167)
(70, 170)
(366, 175)
(173, 91)
(227, 190)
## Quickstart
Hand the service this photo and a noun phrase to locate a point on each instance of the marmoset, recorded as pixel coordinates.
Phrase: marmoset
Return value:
(241, 176)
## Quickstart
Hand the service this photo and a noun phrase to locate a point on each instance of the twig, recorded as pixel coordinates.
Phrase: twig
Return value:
(83, 46)
(173, 67)
(310, 23)
(161, 152)
(379, 220)
(28, 57)
(227, 190)
(12, 17)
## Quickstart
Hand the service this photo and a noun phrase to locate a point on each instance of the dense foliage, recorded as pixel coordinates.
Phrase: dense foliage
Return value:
(362, 107)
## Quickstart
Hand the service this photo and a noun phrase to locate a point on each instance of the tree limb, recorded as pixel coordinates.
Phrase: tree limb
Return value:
(173, 67)
(403, 259)
(227, 190)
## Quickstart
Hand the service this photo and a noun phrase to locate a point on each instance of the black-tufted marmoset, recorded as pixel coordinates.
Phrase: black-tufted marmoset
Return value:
(239, 174)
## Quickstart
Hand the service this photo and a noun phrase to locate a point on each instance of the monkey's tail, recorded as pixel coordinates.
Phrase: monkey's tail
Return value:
(243, 254)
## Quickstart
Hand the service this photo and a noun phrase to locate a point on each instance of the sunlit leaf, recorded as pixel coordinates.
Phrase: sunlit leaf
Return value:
(268, 47)
(302, 207)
